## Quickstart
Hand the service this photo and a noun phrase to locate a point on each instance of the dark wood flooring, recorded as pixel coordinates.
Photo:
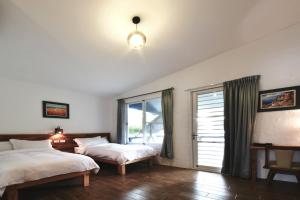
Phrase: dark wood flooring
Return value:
(163, 183)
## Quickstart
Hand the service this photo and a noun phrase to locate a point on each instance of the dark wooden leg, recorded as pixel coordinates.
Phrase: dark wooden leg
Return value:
(12, 194)
(298, 178)
(121, 169)
(150, 163)
(271, 175)
(86, 180)
(253, 164)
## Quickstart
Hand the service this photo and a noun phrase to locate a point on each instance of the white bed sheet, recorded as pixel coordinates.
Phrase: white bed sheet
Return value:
(117, 152)
(19, 166)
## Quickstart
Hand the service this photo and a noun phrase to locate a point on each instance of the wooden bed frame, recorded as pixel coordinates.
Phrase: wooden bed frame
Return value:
(69, 146)
(122, 167)
(11, 192)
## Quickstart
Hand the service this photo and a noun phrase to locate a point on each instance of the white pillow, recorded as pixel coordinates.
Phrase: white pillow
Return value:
(104, 140)
(5, 146)
(84, 142)
(31, 144)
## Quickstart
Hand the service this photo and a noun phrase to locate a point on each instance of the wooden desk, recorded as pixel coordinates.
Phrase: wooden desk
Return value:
(254, 149)
(261, 146)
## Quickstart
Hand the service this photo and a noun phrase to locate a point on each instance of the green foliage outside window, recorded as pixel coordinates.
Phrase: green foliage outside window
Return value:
(134, 130)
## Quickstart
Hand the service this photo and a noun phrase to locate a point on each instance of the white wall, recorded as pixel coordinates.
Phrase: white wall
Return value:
(21, 109)
(275, 57)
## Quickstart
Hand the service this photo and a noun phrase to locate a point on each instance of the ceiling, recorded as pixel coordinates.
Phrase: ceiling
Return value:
(81, 45)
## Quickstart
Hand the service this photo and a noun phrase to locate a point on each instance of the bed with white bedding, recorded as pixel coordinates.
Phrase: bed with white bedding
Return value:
(102, 151)
(28, 165)
(117, 152)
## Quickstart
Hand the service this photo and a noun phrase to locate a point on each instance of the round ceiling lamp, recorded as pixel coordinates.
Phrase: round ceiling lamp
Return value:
(136, 39)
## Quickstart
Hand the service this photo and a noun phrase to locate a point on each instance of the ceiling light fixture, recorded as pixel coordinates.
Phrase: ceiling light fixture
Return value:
(136, 39)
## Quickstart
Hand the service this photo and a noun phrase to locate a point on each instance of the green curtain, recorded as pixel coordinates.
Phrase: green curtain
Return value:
(240, 106)
(167, 114)
(121, 133)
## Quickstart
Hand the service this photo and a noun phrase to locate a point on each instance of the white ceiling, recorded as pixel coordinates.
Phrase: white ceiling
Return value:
(81, 44)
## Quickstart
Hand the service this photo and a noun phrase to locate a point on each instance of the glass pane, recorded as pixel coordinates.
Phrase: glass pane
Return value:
(135, 123)
(154, 130)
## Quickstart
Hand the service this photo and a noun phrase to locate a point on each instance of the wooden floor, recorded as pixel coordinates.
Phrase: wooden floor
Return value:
(163, 183)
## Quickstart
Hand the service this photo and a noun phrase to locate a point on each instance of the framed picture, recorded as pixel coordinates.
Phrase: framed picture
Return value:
(279, 99)
(55, 110)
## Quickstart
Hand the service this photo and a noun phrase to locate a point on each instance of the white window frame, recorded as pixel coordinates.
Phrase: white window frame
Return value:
(140, 99)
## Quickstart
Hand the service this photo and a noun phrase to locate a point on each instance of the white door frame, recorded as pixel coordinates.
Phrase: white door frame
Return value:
(194, 128)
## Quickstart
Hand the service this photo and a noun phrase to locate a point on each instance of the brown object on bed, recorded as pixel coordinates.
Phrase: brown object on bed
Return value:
(11, 192)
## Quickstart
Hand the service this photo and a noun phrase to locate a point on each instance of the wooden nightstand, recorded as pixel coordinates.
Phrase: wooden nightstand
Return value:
(63, 147)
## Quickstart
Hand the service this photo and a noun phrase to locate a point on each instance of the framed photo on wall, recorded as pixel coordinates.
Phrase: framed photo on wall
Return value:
(55, 110)
(279, 99)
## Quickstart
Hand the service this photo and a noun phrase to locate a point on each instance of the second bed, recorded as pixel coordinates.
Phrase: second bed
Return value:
(102, 151)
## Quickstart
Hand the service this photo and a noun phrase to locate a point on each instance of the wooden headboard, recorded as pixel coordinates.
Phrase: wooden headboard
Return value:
(67, 146)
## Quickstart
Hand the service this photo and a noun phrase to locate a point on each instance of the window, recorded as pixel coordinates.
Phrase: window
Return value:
(144, 122)
(208, 129)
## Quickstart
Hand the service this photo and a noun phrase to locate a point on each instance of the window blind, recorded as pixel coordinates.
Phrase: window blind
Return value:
(210, 129)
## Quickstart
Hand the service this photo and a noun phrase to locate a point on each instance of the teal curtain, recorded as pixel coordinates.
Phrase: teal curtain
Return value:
(167, 114)
(240, 106)
(121, 127)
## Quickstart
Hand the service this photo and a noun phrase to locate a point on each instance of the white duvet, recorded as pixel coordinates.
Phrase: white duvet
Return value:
(117, 152)
(19, 166)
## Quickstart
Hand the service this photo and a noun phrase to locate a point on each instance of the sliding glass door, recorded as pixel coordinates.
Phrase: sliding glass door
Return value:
(135, 122)
(144, 122)
(208, 129)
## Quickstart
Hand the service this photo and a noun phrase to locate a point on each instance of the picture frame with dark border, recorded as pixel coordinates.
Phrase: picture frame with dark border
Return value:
(279, 99)
(56, 110)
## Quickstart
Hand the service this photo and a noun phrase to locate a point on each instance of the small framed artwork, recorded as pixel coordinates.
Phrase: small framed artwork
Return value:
(55, 110)
(279, 99)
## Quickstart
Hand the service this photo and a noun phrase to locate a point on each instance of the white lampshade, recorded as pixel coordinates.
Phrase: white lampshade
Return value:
(136, 40)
